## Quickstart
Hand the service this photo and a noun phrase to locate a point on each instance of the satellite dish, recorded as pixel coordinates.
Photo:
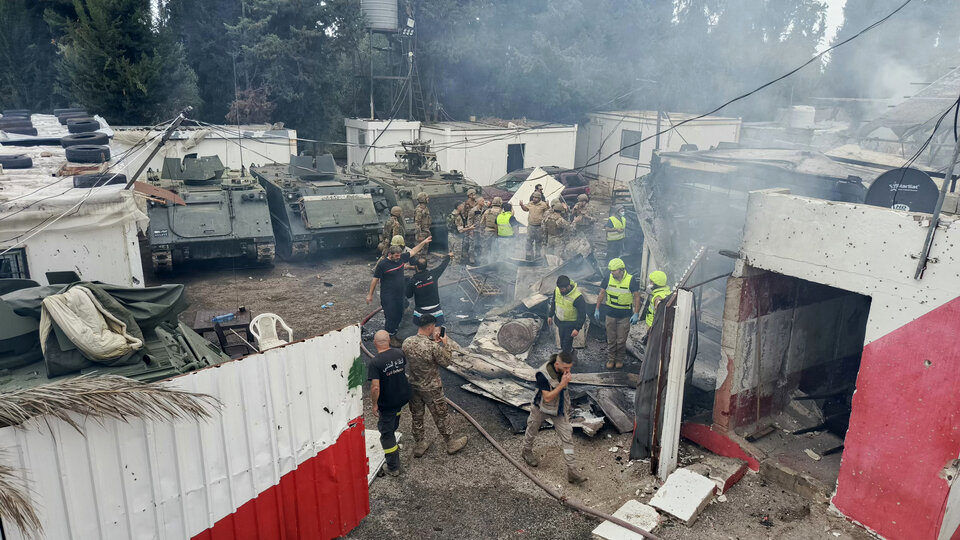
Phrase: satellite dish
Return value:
(908, 189)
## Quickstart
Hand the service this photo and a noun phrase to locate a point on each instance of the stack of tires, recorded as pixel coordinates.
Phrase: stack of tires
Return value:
(17, 121)
(76, 120)
(15, 161)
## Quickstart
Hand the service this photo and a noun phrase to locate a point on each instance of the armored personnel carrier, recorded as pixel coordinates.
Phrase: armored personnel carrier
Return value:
(226, 214)
(416, 170)
(314, 208)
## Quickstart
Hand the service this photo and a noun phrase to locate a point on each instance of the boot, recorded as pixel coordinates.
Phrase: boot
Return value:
(392, 472)
(421, 448)
(395, 342)
(531, 458)
(575, 477)
(455, 445)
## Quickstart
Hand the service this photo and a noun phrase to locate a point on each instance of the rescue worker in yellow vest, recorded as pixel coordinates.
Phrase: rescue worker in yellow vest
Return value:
(616, 227)
(506, 229)
(569, 310)
(659, 291)
(621, 307)
(552, 402)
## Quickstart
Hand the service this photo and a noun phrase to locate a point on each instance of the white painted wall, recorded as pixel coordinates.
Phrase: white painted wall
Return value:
(603, 135)
(258, 147)
(388, 143)
(481, 154)
(859, 248)
(137, 479)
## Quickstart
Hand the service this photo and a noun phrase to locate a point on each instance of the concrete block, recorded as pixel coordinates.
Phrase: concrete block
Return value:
(724, 471)
(951, 203)
(800, 483)
(633, 512)
(684, 495)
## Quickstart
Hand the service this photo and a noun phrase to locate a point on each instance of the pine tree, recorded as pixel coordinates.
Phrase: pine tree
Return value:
(117, 61)
(27, 54)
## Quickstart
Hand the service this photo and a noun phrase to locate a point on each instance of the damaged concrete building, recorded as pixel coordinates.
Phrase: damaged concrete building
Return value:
(832, 368)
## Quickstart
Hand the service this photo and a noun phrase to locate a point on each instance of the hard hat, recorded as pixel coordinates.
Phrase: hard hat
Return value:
(658, 278)
(497, 201)
(396, 211)
(397, 240)
(471, 192)
(583, 197)
(617, 264)
(422, 197)
(557, 204)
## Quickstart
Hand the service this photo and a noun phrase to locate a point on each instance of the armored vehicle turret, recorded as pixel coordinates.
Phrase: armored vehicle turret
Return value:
(226, 214)
(314, 207)
(417, 171)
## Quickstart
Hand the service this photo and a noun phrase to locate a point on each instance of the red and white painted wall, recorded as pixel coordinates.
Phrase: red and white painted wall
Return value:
(898, 475)
(285, 458)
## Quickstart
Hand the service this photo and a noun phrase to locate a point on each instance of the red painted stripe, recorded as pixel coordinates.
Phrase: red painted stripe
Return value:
(325, 497)
(719, 444)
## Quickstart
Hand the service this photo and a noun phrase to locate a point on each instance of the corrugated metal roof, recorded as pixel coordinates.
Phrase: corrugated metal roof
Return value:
(922, 108)
(176, 480)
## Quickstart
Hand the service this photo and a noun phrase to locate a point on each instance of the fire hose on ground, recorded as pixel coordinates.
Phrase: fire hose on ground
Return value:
(562, 499)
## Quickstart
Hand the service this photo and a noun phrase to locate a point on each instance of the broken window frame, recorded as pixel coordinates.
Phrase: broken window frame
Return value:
(628, 143)
(13, 264)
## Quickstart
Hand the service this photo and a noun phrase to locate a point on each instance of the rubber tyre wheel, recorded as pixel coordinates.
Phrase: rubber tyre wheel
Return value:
(84, 138)
(15, 161)
(88, 153)
(58, 112)
(16, 112)
(15, 122)
(97, 180)
(21, 130)
(69, 116)
(82, 125)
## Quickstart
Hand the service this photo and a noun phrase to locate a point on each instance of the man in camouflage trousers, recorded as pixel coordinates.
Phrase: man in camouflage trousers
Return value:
(489, 223)
(535, 236)
(582, 219)
(421, 217)
(393, 227)
(426, 353)
(474, 222)
(556, 229)
(456, 231)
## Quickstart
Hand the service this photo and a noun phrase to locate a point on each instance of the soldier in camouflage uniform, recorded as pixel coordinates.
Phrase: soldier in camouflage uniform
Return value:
(471, 199)
(421, 217)
(456, 229)
(488, 221)
(426, 352)
(393, 227)
(556, 229)
(475, 224)
(582, 219)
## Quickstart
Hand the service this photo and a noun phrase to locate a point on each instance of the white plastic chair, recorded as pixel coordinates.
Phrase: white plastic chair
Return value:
(264, 329)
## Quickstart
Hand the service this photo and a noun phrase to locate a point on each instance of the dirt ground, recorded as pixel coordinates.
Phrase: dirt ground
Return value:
(477, 493)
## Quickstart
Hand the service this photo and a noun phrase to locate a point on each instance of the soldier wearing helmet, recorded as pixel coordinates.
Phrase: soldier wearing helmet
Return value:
(620, 300)
(488, 222)
(421, 217)
(556, 229)
(581, 215)
(471, 199)
(394, 226)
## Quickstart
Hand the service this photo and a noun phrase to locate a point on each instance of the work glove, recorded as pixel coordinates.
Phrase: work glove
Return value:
(596, 314)
(635, 318)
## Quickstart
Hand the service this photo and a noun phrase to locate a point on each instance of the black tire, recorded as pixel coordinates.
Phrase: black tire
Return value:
(13, 122)
(96, 180)
(67, 116)
(84, 138)
(88, 153)
(82, 125)
(15, 161)
(21, 130)
(58, 112)
(16, 112)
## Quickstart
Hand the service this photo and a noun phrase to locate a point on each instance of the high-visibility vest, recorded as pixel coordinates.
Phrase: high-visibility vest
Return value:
(563, 303)
(503, 224)
(619, 228)
(658, 293)
(618, 292)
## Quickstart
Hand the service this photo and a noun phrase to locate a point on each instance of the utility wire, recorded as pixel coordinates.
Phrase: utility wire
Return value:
(813, 59)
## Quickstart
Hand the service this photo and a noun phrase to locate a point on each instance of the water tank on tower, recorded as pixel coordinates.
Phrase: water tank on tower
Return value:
(381, 14)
